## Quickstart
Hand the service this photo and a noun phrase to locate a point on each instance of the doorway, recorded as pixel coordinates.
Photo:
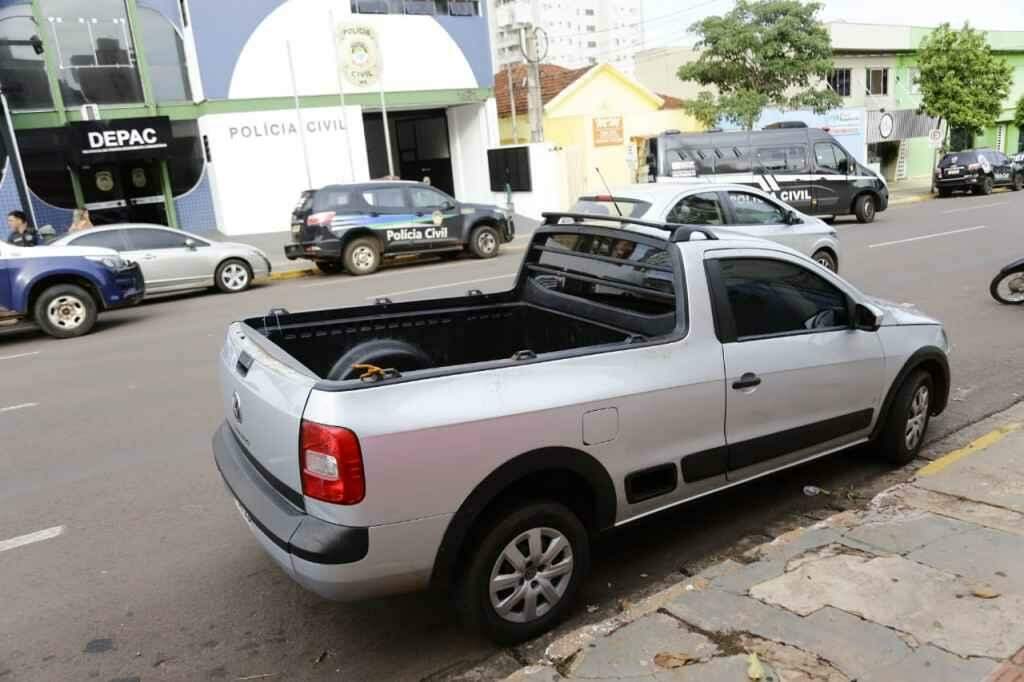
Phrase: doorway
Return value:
(126, 192)
(420, 147)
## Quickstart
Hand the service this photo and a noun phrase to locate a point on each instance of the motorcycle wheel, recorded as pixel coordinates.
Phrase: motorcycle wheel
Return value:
(1008, 287)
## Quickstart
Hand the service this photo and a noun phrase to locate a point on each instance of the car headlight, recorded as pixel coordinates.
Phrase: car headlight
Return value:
(109, 262)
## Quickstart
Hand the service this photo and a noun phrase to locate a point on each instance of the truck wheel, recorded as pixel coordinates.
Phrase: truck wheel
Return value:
(1018, 183)
(383, 353)
(484, 242)
(233, 276)
(986, 186)
(864, 208)
(907, 420)
(65, 311)
(362, 256)
(524, 572)
(826, 260)
(944, 192)
(329, 267)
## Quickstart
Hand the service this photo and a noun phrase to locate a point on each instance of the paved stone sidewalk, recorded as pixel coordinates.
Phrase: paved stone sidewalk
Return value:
(927, 584)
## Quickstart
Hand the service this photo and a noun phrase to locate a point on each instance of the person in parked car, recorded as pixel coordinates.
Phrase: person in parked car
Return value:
(80, 220)
(623, 248)
(22, 234)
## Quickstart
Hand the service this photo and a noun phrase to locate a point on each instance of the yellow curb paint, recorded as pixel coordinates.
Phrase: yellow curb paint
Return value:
(292, 274)
(909, 200)
(972, 448)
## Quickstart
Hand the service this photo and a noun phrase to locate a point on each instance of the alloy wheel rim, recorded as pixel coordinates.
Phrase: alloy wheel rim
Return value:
(825, 262)
(918, 418)
(363, 257)
(66, 312)
(531, 575)
(869, 208)
(234, 277)
(1011, 287)
(486, 242)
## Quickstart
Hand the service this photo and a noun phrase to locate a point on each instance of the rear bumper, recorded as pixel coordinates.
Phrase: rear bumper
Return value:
(325, 249)
(962, 182)
(334, 561)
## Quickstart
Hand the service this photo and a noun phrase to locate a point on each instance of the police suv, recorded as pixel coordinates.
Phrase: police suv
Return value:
(356, 226)
(804, 167)
(977, 171)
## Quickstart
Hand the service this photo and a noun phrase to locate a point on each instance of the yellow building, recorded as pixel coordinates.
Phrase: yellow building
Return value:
(596, 114)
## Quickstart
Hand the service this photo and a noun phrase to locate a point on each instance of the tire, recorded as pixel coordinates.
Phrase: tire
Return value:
(1013, 291)
(549, 521)
(484, 242)
(829, 220)
(383, 353)
(945, 192)
(233, 276)
(864, 208)
(362, 256)
(1018, 183)
(901, 439)
(986, 186)
(64, 311)
(826, 260)
(329, 267)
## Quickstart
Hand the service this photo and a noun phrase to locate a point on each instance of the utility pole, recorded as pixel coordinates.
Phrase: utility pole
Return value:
(531, 40)
(512, 102)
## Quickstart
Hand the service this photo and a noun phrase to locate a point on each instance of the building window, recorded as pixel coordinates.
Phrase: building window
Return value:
(960, 139)
(589, 12)
(455, 8)
(94, 51)
(878, 81)
(591, 43)
(1020, 139)
(23, 67)
(839, 81)
(591, 29)
(165, 56)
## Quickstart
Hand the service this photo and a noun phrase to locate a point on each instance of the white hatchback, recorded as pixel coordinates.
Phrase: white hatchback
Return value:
(726, 207)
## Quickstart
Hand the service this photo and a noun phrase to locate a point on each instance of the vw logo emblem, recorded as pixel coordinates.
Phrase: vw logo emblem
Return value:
(236, 407)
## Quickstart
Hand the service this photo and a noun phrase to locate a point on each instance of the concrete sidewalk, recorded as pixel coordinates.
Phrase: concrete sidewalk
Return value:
(910, 191)
(925, 584)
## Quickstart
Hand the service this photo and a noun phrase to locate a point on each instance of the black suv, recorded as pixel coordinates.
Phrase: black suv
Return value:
(977, 171)
(354, 227)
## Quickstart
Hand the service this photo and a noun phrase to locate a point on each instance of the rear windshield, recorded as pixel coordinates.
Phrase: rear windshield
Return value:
(630, 208)
(613, 271)
(958, 159)
(305, 204)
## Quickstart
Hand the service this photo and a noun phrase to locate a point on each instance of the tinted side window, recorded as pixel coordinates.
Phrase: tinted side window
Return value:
(155, 239)
(697, 209)
(733, 160)
(427, 198)
(337, 200)
(113, 239)
(830, 158)
(751, 209)
(782, 159)
(775, 297)
(386, 198)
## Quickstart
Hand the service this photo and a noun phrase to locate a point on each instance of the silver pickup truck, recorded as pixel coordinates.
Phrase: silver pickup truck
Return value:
(478, 444)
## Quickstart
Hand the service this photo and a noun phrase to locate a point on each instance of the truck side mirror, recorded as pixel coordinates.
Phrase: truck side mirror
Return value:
(190, 244)
(447, 205)
(868, 318)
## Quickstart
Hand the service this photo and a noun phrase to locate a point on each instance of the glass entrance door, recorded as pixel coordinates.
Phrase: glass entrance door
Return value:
(128, 192)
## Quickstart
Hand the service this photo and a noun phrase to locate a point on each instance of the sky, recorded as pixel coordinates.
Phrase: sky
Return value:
(666, 21)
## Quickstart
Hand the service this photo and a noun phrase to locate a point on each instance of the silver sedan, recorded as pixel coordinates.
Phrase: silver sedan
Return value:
(174, 261)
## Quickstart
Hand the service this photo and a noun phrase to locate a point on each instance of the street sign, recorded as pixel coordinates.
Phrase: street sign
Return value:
(935, 138)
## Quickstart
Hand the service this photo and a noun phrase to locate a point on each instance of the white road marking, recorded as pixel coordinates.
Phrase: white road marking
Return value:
(441, 286)
(19, 355)
(38, 536)
(975, 208)
(927, 236)
(22, 406)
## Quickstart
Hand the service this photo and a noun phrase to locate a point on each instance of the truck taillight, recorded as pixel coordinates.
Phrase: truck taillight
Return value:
(318, 219)
(331, 464)
(974, 166)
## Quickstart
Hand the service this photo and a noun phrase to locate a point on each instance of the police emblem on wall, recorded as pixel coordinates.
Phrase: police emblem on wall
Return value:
(104, 181)
(359, 53)
(139, 177)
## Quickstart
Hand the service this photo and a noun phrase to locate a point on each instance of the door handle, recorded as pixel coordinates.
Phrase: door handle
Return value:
(748, 380)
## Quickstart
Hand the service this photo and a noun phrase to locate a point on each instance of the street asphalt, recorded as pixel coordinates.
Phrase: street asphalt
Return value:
(145, 571)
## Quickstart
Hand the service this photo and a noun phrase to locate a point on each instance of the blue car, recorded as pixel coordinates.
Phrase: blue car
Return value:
(62, 289)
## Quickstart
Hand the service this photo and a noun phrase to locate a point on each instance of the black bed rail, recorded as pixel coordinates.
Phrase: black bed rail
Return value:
(680, 233)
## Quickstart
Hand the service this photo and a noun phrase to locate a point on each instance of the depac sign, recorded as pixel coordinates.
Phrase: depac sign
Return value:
(120, 140)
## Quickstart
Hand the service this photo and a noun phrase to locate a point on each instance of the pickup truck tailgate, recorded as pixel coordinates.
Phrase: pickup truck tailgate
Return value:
(263, 402)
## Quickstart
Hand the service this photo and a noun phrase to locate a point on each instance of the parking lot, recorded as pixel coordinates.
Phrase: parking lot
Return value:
(144, 569)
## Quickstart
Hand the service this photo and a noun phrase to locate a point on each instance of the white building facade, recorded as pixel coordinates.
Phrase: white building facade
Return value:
(580, 32)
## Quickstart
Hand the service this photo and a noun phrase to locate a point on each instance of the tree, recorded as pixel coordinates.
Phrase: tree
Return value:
(961, 81)
(1018, 117)
(762, 53)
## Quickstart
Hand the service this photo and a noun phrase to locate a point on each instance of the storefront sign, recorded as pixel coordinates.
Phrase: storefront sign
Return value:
(886, 125)
(607, 131)
(119, 140)
(359, 53)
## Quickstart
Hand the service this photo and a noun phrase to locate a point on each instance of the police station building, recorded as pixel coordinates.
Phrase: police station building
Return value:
(215, 114)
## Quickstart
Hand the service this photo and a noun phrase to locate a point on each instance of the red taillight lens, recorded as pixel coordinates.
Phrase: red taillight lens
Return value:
(318, 219)
(331, 463)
